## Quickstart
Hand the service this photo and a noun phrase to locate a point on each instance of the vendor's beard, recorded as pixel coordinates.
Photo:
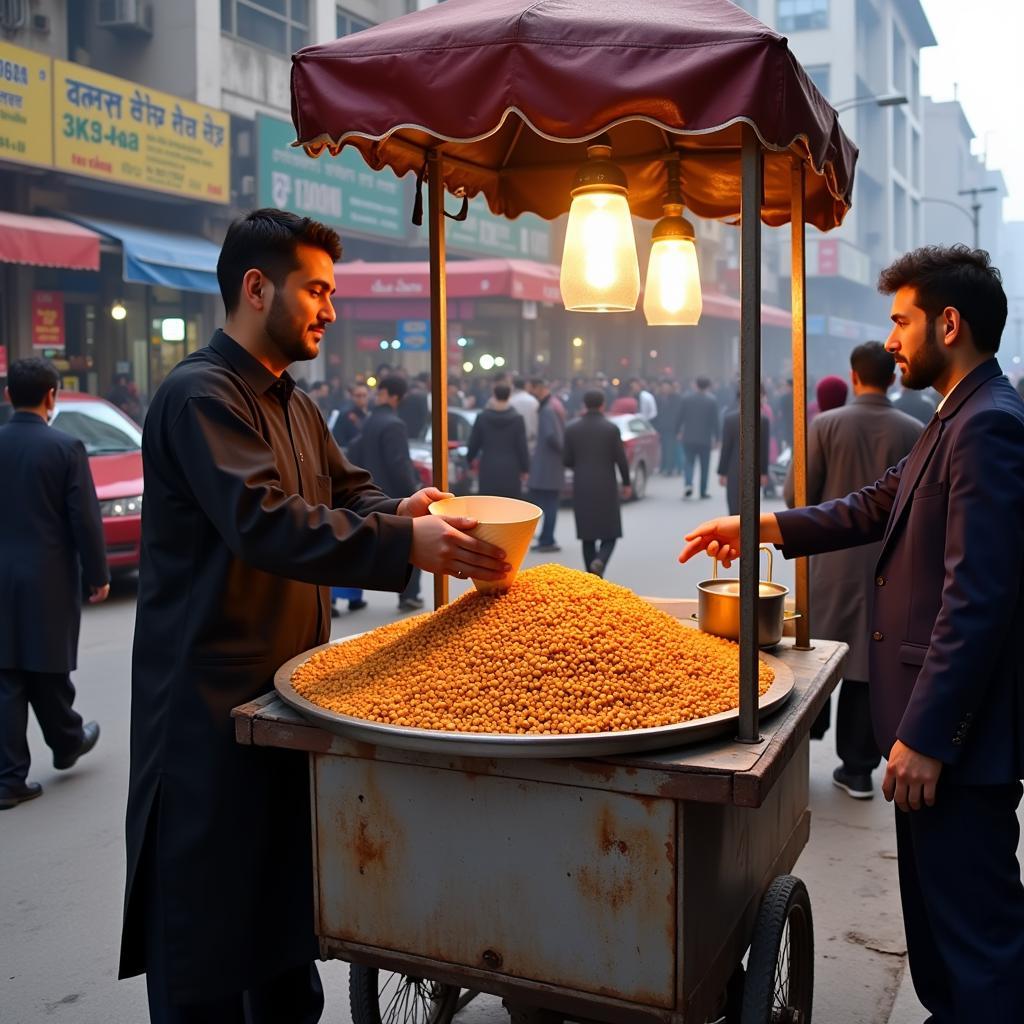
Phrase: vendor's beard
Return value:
(927, 365)
(291, 341)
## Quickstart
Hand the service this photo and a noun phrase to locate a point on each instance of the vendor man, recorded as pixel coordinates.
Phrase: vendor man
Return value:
(946, 670)
(251, 513)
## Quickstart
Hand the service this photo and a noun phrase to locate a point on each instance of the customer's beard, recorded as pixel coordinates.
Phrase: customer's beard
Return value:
(290, 337)
(927, 365)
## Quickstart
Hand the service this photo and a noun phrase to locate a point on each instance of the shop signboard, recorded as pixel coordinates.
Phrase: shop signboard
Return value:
(528, 237)
(413, 335)
(341, 191)
(112, 129)
(26, 90)
(3, 360)
(47, 321)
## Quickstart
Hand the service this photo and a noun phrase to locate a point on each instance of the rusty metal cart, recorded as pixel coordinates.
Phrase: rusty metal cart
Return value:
(619, 889)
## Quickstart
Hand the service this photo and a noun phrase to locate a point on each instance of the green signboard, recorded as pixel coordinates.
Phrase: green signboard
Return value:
(482, 234)
(341, 191)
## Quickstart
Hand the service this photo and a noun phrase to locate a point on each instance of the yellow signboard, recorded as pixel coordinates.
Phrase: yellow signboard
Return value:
(115, 130)
(25, 102)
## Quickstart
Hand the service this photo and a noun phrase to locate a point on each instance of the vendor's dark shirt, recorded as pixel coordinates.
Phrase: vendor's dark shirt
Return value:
(251, 512)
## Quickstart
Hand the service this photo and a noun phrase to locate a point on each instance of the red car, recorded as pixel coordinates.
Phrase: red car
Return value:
(113, 443)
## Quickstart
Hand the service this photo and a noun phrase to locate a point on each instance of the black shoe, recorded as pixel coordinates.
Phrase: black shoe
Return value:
(597, 567)
(545, 547)
(356, 606)
(410, 604)
(90, 734)
(688, 493)
(705, 496)
(856, 784)
(12, 796)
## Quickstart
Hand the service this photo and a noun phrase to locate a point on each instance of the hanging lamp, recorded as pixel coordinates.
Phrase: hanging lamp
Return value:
(672, 295)
(600, 273)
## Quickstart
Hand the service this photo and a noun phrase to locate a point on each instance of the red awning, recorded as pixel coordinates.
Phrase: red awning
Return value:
(466, 279)
(725, 307)
(45, 242)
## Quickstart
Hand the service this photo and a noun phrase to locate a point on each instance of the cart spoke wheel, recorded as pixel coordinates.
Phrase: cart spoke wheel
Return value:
(384, 997)
(780, 971)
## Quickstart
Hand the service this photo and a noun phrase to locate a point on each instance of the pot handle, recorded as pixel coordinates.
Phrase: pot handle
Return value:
(791, 616)
(766, 548)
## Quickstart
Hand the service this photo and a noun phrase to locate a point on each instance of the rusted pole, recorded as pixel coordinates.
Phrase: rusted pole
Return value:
(799, 463)
(438, 343)
(752, 177)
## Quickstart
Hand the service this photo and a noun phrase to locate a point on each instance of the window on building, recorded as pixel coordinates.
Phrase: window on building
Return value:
(799, 15)
(915, 158)
(278, 25)
(820, 75)
(899, 140)
(899, 60)
(915, 223)
(750, 6)
(899, 218)
(915, 87)
(348, 23)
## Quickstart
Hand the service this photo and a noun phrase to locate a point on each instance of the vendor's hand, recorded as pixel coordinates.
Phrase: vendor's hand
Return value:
(910, 778)
(440, 546)
(627, 492)
(418, 504)
(98, 594)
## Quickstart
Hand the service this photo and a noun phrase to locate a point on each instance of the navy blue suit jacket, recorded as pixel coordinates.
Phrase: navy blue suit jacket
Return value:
(946, 661)
(51, 537)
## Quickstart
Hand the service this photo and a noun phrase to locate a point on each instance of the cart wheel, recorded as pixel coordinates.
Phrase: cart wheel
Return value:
(780, 970)
(383, 997)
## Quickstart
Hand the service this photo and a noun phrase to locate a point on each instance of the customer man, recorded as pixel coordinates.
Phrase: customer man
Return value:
(251, 511)
(848, 448)
(546, 472)
(698, 429)
(945, 661)
(51, 541)
(382, 449)
(498, 439)
(593, 451)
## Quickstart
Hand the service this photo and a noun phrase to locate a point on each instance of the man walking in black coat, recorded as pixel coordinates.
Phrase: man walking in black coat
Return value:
(382, 449)
(251, 514)
(498, 438)
(593, 451)
(51, 541)
(698, 428)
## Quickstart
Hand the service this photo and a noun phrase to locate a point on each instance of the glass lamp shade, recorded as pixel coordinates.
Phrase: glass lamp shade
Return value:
(672, 294)
(600, 273)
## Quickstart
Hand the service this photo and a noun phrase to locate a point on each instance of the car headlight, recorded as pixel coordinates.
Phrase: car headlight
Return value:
(121, 507)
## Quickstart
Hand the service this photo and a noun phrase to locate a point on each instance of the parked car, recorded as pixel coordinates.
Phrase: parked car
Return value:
(113, 443)
(643, 452)
(462, 478)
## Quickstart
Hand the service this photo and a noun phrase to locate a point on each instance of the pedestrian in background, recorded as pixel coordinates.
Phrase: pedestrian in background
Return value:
(528, 407)
(498, 439)
(830, 393)
(848, 448)
(547, 474)
(415, 406)
(382, 449)
(349, 424)
(729, 457)
(51, 542)
(699, 432)
(667, 424)
(913, 403)
(593, 451)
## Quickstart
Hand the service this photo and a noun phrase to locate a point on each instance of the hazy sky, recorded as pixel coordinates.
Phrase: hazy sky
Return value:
(981, 49)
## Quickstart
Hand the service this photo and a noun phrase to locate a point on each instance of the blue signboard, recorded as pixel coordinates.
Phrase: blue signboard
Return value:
(414, 335)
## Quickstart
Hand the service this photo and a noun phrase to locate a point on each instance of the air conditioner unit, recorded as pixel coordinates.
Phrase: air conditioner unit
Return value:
(247, 185)
(134, 16)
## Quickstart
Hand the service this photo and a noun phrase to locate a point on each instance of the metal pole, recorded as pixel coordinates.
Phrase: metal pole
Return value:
(799, 464)
(438, 343)
(976, 217)
(750, 428)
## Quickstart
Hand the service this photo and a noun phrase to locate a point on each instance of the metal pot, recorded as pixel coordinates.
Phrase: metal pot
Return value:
(718, 606)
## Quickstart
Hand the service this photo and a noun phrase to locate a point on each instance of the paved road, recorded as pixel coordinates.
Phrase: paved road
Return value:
(62, 861)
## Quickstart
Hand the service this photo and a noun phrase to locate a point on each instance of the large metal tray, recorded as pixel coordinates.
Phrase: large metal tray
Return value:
(489, 745)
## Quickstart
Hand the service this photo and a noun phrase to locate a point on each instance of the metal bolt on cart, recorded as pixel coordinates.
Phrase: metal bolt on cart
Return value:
(585, 882)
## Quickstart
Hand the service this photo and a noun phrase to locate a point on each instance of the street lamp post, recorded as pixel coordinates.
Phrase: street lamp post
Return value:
(885, 100)
(971, 214)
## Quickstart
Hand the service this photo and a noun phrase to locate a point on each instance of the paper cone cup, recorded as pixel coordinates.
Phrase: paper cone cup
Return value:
(507, 523)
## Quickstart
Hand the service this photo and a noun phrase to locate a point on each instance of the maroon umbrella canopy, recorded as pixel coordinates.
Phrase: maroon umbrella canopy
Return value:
(511, 91)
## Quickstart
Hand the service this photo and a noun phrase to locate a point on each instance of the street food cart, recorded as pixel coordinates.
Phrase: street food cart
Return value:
(599, 886)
